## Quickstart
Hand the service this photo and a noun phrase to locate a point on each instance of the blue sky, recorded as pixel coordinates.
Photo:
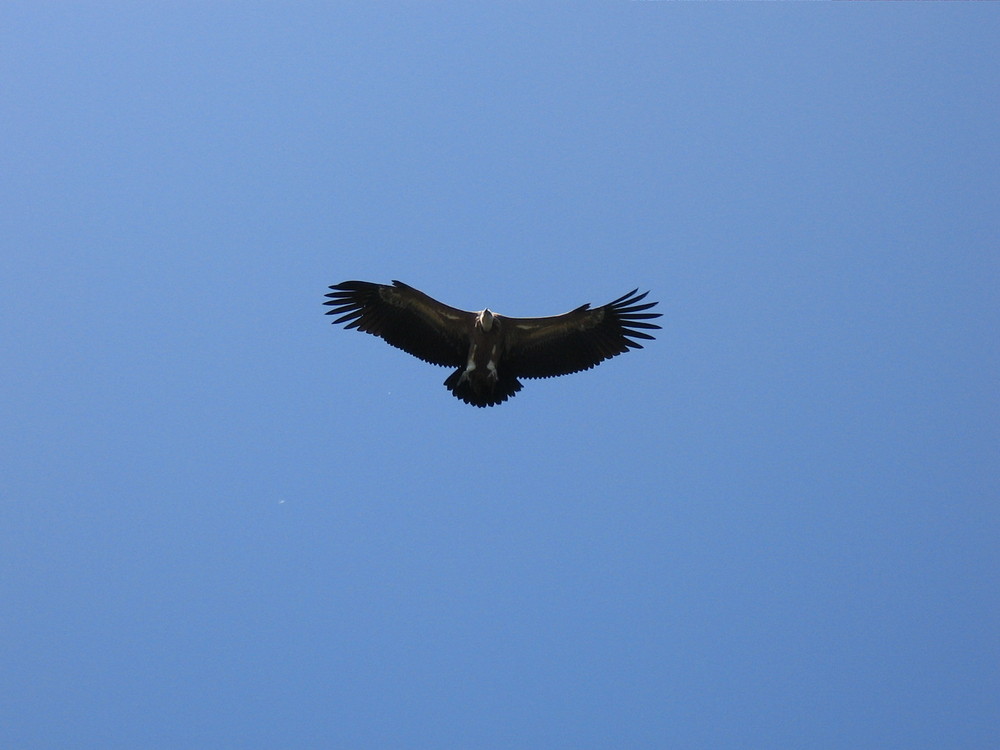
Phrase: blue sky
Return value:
(226, 523)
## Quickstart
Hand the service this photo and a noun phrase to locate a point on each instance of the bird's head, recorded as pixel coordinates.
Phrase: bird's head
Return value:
(485, 320)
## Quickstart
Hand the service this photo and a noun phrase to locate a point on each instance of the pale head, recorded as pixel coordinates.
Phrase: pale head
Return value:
(485, 320)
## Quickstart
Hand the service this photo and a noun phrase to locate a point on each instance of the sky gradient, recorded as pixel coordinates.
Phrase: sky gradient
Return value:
(226, 523)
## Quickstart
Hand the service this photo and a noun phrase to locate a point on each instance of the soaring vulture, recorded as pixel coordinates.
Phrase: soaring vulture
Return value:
(491, 351)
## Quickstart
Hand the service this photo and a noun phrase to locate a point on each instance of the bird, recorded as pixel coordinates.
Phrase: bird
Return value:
(491, 352)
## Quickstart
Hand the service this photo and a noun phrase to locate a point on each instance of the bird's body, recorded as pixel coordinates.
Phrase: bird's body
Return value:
(491, 351)
(479, 382)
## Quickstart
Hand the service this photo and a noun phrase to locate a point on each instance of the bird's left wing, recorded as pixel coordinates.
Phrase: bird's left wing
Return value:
(405, 317)
(577, 340)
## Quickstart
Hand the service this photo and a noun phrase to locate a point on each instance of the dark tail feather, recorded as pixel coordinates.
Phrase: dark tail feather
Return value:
(478, 392)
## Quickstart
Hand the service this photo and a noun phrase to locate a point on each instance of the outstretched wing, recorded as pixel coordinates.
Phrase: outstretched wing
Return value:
(577, 340)
(406, 318)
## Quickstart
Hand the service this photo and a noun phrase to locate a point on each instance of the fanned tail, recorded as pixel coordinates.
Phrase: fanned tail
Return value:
(481, 391)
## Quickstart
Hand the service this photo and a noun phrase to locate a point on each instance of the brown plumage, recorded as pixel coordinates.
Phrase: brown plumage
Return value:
(491, 351)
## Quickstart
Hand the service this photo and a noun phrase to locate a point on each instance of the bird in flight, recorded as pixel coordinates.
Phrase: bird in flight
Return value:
(491, 351)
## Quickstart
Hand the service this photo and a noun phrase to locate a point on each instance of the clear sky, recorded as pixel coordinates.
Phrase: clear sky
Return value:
(225, 523)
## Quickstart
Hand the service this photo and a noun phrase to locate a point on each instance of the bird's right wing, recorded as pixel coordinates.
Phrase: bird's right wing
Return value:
(406, 318)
